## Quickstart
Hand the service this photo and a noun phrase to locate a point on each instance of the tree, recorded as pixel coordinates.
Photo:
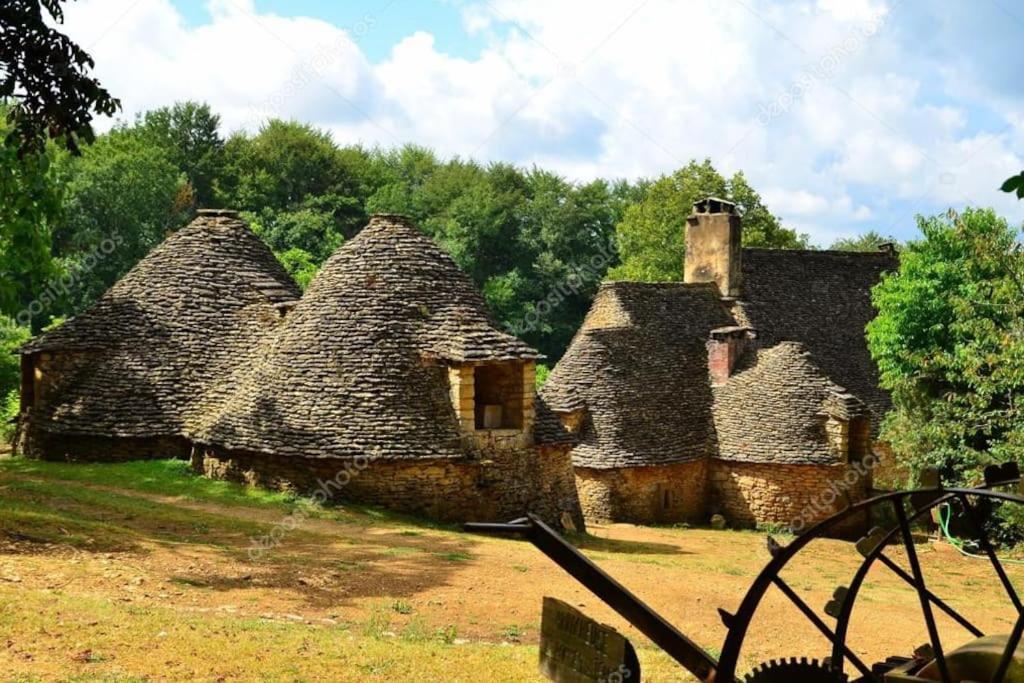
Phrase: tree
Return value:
(123, 197)
(46, 74)
(651, 234)
(949, 343)
(189, 133)
(869, 241)
(12, 336)
(30, 205)
(299, 187)
(300, 265)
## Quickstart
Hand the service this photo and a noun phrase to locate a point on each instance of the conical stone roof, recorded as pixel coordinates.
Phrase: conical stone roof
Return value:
(150, 350)
(359, 367)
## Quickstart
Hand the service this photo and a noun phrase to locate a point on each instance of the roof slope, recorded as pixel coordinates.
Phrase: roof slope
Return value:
(773, 408)
(639, 365)
(352, 370)
(160, 337)
(821, 299)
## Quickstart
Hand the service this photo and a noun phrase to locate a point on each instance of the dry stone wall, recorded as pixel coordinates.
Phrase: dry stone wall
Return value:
(791, 496)
(644, 495)
(456, 490)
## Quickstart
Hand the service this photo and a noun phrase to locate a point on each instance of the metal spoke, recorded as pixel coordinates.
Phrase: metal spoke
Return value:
(1011, 648)
(926, 605)
(821, 625)
(979, 531)
(941, 604)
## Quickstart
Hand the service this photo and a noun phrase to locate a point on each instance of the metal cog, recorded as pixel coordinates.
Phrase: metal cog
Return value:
(795, 670)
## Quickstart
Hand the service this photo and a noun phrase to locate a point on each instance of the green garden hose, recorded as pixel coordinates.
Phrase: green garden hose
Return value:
(945, 514)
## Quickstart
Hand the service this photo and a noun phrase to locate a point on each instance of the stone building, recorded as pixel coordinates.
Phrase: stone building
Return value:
(386, 383)
(124, 379)
(747, 390)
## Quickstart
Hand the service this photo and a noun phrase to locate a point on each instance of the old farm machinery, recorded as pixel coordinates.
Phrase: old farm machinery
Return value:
(575, 648)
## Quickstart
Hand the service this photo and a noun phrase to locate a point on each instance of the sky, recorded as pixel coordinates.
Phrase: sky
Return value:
(846, 115)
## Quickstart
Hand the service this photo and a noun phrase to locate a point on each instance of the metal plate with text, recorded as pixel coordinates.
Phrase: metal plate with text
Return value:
(576, 649)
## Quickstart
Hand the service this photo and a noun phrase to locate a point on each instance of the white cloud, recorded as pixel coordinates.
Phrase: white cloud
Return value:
(868, 116)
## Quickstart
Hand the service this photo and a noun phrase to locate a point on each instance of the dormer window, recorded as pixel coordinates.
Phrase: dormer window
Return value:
(498, 396)
(494, 399)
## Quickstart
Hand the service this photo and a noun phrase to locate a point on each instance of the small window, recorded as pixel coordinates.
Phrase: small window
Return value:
(498, 396)
(28, 382)
(666, 500)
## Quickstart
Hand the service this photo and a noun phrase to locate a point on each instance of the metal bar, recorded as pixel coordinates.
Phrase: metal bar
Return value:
(820, 625)
(956, 616)
(1011, 648)
(926, 605)
(979, 531)
(690, 655)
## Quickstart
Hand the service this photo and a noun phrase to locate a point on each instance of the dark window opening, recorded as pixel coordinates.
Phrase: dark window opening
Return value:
(498, 396)
(860, 439)
(28, 382)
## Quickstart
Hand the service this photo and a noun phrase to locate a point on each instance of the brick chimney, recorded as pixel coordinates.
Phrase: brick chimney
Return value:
(725, 346)
(713, 246)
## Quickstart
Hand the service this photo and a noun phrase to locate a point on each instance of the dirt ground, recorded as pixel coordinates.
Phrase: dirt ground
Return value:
(140, 570)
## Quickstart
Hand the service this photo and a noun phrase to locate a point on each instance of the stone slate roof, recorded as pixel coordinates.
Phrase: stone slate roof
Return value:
(358, 366)
(155, 343)
(639, 364)
(773, 408)
(821, 299)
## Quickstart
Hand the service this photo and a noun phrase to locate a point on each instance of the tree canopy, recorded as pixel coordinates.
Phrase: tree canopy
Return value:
(869, 241)
(949, 342)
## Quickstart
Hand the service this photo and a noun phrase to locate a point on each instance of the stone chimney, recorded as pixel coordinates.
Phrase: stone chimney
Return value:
(713, 246)
(725, 346)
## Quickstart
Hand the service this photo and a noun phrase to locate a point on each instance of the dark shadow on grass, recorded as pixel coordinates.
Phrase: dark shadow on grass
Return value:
(615, 545)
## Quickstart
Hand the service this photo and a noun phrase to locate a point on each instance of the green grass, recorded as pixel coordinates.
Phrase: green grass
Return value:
(162, 477)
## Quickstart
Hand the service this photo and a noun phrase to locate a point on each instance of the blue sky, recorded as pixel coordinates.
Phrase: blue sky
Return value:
(847, 115)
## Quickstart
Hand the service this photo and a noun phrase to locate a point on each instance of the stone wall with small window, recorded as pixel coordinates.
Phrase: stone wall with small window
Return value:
(664, 494)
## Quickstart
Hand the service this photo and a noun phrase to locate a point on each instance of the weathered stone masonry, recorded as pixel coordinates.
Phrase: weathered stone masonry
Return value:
(745, 391)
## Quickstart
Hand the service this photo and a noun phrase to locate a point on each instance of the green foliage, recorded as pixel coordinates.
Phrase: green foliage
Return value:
(300, 265)
(46, 74)
(652, 233)
(11, 338)
(30, 205)
(288, 166)
(189, 133)
(1014, 185)
(869, 241)
(123, 197)
(542, 375)
(949, 343)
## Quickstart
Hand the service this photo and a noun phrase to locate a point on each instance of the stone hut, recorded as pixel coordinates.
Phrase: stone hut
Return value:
(747, 390)
(387, 383)
(125, 378)
(390, 384)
